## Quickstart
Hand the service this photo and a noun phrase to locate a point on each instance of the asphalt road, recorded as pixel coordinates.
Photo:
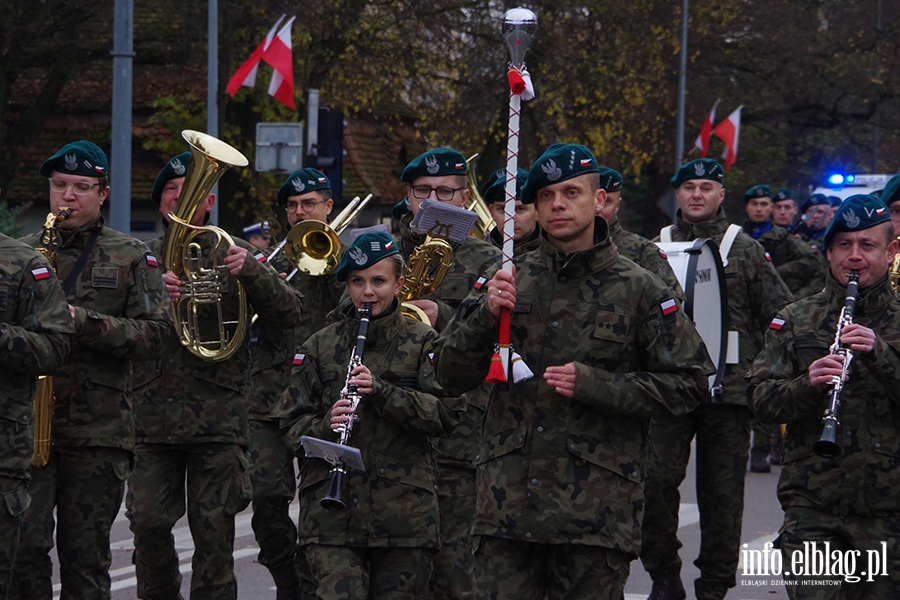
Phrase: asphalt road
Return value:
(762, 518)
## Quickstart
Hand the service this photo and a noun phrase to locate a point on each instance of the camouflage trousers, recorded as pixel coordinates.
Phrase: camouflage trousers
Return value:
(518, 570)
(85, 485)
(454, 565)
(345, 573)
(765, 437)
(723, 439)
(274, 486)
(844, 534)
(218, 487)
(14, 500)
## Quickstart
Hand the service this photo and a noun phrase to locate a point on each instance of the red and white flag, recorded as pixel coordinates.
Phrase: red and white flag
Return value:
(729, 131)
(706, 131)
(278, 54)
(246, 74)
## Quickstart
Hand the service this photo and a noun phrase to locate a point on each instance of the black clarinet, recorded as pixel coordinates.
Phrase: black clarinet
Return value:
(827, 445)
(333, 500)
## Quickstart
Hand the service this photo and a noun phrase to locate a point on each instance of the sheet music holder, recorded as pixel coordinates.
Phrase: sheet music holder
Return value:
(334, 454)
(438, 219)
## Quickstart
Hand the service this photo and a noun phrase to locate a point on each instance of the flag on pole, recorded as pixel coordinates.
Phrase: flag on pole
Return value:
(729, 131)
(279, 56)
(706, 131)
(246, 74)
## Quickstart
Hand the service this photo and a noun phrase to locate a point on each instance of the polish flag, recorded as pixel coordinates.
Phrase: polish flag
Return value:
(703, 139)
(729, 131)
(278, 55)
(246, 74)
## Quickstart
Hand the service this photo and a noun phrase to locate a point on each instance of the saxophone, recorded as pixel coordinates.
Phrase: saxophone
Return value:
(895, 272)
(43, 397)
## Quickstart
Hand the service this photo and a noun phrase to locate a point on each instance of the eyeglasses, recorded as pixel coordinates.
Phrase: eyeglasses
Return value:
(444, 194)
(305, 205)
(79, 187)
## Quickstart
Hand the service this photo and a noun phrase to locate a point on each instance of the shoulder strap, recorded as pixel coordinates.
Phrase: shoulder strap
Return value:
(727, 242)
(665, 234)
(69, 283)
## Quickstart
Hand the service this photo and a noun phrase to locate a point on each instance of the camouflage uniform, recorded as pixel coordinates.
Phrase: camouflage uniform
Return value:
(529, 243)
(851, 500)
(801, 269)
(646, 254)
(192, 425)
(35, 331)
(454, 565)
(393, 503)
(554, 473)
(722, 429)
(121, 315)
(272, 474)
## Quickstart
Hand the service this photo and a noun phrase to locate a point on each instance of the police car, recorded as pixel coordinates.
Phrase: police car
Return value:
(845, 185)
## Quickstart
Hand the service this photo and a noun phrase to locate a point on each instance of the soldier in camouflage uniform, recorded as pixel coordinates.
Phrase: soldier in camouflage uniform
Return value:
(526, 232)
(560, 468)
(441, 174)
(630, 245)
(849, 501)
(120, 310)
(192, 426)
(305, 194)
(890, 195)
(811, 226)
(722, 428)
(35, 332)
(382, 545)
(784, 208)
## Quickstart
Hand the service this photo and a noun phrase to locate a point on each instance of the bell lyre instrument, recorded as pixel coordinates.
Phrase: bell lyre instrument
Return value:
(43, 397)
(827, 445)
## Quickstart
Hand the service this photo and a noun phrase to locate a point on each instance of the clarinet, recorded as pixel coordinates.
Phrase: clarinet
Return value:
(333, 500)
(827, 446)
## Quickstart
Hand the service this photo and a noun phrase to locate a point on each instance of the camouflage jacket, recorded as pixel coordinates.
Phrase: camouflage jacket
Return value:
(531, 242)
(472, 259)
(121, 315)
(801, 269)
(394, 501)
(646, 254)
(755, 293)
(864, 479)
(35, 335)
(556, 470)
(273, 346)
(185, 399)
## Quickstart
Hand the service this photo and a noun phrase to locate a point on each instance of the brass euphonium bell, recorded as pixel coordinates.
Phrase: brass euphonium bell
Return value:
(425, 271)
(197, 264)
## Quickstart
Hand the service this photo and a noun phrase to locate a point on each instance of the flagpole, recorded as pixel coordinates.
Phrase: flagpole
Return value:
(212, 88)
(682, 92)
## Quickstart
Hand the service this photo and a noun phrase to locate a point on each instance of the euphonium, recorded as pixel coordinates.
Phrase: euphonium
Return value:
(198, 265)
(476, 204)
(895, 272)
(425, 271)
(334, 498)
(43, 397)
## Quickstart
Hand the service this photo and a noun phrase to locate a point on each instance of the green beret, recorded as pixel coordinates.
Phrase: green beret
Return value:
(834, 201)
(610, 180)
(891, 191)
(701, 168)
(758, 191)
(78, 158)
(434, 163)
(401, 209)
(857, 213)
(496, 191)
(175, 168)
(783, 194)
(302, 181)
(365, 251)
(814, 200)
(559, 162)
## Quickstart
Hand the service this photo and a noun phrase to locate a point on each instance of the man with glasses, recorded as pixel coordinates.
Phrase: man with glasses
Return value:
(120, 311)
(440, 175)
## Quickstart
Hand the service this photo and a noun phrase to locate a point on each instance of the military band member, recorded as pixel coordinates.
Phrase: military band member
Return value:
(192, 427)
(722, 427)
(119, 307)
(849, 502)
(560, 468)
(35, 334)
(383, 543)
(784, 208)
(890, 196)
(813, 213)
(630, 245)
(526, 231)
(440, 174)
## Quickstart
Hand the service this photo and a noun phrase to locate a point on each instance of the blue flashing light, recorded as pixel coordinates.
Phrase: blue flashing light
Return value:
(836, 179)
(850, 178)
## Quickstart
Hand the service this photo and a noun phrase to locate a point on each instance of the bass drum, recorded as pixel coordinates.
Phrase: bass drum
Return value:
(699, 270)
